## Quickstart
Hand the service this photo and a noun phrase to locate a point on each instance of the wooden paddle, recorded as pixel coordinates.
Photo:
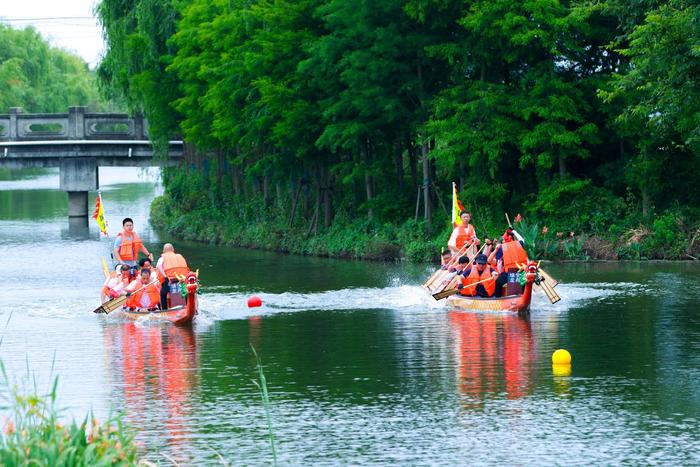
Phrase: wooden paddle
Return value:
(549, 292)
(447, 293)
(550, 280)
(104, 268)
(440, 274)
(110, 306)
(448, 280)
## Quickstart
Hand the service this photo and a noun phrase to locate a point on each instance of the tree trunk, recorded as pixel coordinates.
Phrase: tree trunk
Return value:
(235, 174)
(327, 208)
(219, 168)
(295, 201)
(399, 166)
(317, 208)
(266, 190)
(562, 167)
(646, 203)
(428, 214)
(412, 163)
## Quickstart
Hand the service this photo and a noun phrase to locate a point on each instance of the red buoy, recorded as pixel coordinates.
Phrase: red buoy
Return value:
(254, 301)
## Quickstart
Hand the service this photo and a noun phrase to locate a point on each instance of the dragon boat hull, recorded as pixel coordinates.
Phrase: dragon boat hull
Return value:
(519, 304)
(179, 316)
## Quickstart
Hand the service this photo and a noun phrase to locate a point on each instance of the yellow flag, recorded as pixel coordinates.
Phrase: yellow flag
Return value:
(99, 215)
(456, 206)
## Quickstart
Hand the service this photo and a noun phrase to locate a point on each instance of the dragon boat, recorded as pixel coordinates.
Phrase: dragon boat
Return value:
(516, 300)
(182, 304)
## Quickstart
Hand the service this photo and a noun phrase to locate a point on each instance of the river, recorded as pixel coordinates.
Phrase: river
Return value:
(362, 367)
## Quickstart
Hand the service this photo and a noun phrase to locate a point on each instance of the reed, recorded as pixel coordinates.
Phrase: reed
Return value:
(32, 433)
(262, 387)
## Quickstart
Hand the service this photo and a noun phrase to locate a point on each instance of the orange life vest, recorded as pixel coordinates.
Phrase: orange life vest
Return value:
(174, 264)
(147, 297)
(464, 235)
(130, 247)
(475, 276)
(114, 284)
(513, 254)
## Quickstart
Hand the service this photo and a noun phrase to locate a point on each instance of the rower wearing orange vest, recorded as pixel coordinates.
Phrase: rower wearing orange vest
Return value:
(170, 265)
(463, 234)
(509, 254)
(128, 245)
(145, 292)
(115, 283)
(145, 263)
(480, 272)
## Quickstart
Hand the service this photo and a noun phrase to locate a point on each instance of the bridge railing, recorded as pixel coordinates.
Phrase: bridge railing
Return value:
(77, 124)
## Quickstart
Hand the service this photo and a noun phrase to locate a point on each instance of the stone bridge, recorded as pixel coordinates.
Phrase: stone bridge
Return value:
(78, 142)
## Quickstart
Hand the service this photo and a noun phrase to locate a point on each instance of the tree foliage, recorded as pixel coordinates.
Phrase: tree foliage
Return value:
(41, 78)
(351, 106)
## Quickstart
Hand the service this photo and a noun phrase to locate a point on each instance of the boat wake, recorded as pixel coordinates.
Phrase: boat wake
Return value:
(403, 297)
(578, 294)
(406, 298)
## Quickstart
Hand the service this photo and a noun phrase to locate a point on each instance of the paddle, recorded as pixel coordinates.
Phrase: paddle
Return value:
(110, 306)
(440, 273)
(549, 291)
(104, 268)
(447, 293)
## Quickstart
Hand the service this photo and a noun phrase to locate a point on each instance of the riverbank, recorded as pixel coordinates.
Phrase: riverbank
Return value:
(370, 240)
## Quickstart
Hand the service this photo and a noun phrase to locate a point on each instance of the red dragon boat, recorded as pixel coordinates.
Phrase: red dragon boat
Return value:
(517, 298)
(181, 310)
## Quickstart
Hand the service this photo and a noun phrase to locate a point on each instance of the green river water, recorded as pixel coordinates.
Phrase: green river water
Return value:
(362, 367)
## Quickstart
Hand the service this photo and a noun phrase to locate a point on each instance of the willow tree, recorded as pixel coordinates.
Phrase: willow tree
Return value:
(41, 78)
(136, 34)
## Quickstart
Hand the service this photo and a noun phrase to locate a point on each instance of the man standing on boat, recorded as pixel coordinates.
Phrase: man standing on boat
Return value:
(463, 234)
(480, 272)
(128, 245)
(170, 265)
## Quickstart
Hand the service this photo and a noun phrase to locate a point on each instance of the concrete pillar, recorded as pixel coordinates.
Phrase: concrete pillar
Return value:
(78, 175)
(76, 122)
(78, 227)
(77, 204)
(13, 131)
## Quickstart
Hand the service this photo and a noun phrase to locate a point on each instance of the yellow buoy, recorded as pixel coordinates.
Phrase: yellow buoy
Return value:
(561, 370)
(561, 357)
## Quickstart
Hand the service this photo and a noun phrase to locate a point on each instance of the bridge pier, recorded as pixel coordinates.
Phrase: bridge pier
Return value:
(78, 175)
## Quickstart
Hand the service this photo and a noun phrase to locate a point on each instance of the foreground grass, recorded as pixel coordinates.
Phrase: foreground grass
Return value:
(32, 434)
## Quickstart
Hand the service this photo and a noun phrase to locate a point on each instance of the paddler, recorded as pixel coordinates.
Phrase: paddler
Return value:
(146, 263)
(463, 234)
(170, 265)
(445, 258)
(115, 284)
(144, 292)
(128, 245)
(481, 271)
(508, 255)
